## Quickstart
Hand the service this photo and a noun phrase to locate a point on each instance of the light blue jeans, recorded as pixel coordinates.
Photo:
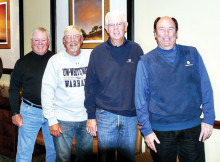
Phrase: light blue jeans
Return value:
(116, 132)
(33, 120)
(63, 144)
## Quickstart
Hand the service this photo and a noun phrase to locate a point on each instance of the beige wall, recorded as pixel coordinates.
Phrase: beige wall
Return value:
(10, 56)
(198, 26)
(36, 13)
(63, 17)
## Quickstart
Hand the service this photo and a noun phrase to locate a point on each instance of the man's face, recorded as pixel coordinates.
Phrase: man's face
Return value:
(166, 33)
(40, 43)
(73, 41)
(116, 28)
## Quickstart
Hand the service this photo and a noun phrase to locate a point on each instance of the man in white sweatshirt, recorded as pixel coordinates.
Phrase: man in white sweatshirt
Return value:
(62, 97)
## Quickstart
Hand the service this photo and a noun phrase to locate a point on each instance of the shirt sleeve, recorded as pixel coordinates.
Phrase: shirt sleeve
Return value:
(91, 87)
(49, 85)
(207, 94)
(15, 88)
(142, 98)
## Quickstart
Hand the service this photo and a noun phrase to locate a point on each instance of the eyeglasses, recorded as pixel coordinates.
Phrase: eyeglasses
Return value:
(39, 40)
(119, 25)
(69, 37)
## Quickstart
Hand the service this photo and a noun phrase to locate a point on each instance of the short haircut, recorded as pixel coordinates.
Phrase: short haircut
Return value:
(115, 13)
(40, 29)
(157, 19)
(71, 27)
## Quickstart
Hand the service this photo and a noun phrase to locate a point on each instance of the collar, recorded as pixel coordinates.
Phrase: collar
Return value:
(163, 51)
(40, 56)
(110, 45)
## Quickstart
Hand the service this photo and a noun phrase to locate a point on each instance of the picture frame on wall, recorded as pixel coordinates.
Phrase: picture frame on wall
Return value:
(89, 17)
(5, 40)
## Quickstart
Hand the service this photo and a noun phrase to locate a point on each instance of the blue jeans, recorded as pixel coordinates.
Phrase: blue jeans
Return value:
(63, 144)
(33, 120)
(116, 132)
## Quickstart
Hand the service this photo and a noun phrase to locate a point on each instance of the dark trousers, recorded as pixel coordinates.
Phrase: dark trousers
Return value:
(182, 143)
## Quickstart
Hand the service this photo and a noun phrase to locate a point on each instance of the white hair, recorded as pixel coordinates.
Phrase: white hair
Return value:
(114, 14)
(71, 27)
(40, 29)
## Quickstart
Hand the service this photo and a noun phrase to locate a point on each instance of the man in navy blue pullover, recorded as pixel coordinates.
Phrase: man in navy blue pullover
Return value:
(172, 89)
(109, 92)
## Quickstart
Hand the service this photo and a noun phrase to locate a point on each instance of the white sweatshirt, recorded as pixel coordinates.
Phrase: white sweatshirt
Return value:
(62, 93)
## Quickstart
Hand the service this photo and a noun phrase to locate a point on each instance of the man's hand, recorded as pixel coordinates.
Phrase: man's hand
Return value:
(55, 130)
(91, 127)
(17, 120)
(206, 132)
(150, 141)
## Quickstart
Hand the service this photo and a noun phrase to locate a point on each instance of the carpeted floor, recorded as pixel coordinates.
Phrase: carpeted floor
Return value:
(38, 158)
(5, 159)
(40, 153)
(41, 158)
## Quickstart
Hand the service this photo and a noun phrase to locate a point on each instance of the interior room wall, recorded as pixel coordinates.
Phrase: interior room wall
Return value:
(63, 18)
(62, 13)
(10, 56)
(36, 14)
(198, 26)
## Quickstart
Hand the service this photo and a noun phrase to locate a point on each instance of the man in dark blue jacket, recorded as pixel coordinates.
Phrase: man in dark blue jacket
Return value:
(171, 86)
(109, 91)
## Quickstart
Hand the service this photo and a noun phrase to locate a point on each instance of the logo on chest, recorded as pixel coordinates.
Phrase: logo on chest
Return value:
(188, 63)
(129, 61)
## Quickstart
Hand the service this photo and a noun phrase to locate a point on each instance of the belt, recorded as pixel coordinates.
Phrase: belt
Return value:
(31, 104)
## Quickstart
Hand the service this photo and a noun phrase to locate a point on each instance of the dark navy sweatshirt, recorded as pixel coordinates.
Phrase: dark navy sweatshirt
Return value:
(110, 79)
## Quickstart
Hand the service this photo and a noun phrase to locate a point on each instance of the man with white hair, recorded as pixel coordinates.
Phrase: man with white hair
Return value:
(63, 96)
(109, 92)
(27, 75)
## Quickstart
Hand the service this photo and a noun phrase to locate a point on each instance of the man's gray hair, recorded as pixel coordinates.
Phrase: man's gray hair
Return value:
(71, 27)
(114, 14)
(40, 29)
